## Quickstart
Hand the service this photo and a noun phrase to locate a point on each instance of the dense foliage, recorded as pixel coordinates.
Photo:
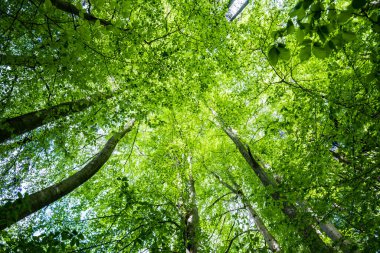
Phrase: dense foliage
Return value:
(297, 84)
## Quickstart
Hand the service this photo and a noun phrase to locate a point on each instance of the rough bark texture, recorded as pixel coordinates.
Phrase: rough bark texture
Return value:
(21, 124)
(268, 237)
(10, 213)
(192, 220)
(72, 9)
(307, 232)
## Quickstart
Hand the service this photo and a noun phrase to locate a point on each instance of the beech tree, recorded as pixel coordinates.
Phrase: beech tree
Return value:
(289, 163)
(28, 204)
(26, 122)
(269, 239)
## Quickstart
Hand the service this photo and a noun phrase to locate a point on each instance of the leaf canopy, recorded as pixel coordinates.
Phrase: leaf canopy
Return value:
(297, 82)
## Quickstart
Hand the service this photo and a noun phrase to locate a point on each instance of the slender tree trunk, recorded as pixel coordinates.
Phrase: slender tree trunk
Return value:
(268, 237)
(191, 220)
(21, 124)
(10, 213)
(306, 231)
(333, 233)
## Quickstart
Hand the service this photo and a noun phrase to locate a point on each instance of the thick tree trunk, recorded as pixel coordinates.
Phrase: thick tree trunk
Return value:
(192, 220)
(10, 213)
(306, 231)
(21, 124)
(268, 237)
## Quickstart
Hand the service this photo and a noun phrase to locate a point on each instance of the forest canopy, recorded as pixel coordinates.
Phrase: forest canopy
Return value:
(178, 126)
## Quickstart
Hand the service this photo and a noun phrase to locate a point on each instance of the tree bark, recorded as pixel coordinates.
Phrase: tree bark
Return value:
(21, 124)
(192, 220)
(306, 231)
(268, 237)
(333, 233)
(12, 212)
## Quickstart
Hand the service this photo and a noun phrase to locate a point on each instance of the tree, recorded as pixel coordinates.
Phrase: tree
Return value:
(288, 208)
(191, 220)
(307, 231)
(26, 122)
(269, 239)
(295, 82)
(28, 204)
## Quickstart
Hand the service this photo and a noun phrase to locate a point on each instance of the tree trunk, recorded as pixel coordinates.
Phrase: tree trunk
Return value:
(21, 124)
(333, 233)
(10, 213)
(306, 231)
(268, 237)
(191, 220)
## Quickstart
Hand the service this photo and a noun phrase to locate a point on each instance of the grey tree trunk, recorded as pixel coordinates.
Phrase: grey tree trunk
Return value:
(21, 124)
(10, 213)
(333, 233)
(191, 220)
(268, 237)
(306, 231)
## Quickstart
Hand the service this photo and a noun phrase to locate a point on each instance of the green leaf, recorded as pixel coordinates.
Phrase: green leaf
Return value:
(357, 4)
(306, 4)
(319, 51)
(273, 55)
(290, 27)
(344, 16)
(376, 28)
(338, 40)
(321, 35)
(317, 7)
(284, 53)
(348, 36)
(295, 9)
(306, 27)
(331, 15)
(307, 42)
(300, 35)
(305, 53)
(298, 11)
(331, 45)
